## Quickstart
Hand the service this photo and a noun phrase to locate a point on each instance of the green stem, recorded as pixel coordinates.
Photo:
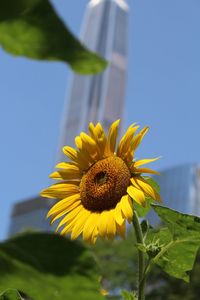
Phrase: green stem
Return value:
(141, 258)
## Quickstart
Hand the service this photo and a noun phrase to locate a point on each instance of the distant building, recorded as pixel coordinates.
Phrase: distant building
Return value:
(30, 214)
(91, 98)
(98, 98)
(180, 189)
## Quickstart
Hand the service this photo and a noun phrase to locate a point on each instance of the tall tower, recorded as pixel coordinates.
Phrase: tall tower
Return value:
(179, 189)
(98, 98)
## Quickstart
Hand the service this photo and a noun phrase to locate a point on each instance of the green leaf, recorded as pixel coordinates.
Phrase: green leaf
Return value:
(128, 295)
(56, 268)
(10, 294)
(32, 28)
(143, 211)
(144, 226)
(177, 244)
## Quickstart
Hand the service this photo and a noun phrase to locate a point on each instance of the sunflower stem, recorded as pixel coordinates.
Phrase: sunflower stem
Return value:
(141, 258)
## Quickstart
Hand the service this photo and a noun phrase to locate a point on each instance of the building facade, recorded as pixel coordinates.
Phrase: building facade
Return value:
(98, 98)
(30, 214)
(179, 189)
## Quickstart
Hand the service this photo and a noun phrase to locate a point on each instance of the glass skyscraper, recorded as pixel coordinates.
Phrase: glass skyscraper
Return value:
(180, 189)
(98, 98)
(29, 214)
(91, 98)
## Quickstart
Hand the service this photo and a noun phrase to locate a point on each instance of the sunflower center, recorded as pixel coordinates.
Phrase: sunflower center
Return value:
(101, 178)
(104, 184)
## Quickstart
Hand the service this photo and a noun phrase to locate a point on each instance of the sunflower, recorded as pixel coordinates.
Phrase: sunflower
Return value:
(97, 188)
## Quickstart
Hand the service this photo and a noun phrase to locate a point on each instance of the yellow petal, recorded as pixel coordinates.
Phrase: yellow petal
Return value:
(136, 195)
(90, 145)
(121, 229)
(146, 187)
(138, 138)
(78, 142)
(124, 143)
(67, 228)
(111, 225)
(67, 165)
(64, 211)
(98, 134)
(63, 204)
(94, 236)
(66, 174)
(102, 225)
(102, 140)
(90, 225)
(83, 154)
(88, 140)
(74, 155)
(118, 214)
(60, 190)
(92, 131)
(144, 161)
(78, 227)
(112, 138)
(144, 170)
(71, 217)
(83, 157)
(70, 152)
(127, 207)
(85, 160)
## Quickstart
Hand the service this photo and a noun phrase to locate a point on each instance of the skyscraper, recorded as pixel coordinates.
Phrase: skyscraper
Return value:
(179, 189)
(29, 214)
(99, 98)
(91, 98)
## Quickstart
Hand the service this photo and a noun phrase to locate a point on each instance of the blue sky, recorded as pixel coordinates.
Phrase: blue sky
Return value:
(163, 91)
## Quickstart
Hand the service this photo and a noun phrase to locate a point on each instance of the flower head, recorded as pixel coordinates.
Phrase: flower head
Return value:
(97, 188)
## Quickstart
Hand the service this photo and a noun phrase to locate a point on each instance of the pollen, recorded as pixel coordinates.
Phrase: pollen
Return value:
(104, 184)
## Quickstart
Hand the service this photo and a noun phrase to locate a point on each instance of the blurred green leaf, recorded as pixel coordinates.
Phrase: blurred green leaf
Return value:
(48, 266)
(128, 295)
(10, 294)
(177, 244)
(118, 263)
(32, 28)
